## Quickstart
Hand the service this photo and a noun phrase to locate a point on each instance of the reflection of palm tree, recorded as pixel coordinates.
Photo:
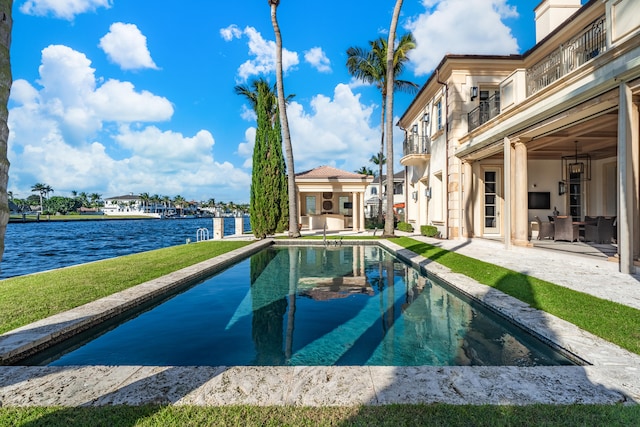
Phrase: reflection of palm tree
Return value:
(269, 288)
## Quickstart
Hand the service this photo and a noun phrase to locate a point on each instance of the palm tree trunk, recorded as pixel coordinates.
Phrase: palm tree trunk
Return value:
(6, 79)
(380, 156)
(388, 224)
(294, 231)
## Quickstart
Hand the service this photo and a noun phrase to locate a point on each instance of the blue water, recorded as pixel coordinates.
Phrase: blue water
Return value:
(38, 246)
(314, 306)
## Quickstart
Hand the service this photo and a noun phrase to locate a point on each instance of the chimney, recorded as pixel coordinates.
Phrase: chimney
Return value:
(551, 13)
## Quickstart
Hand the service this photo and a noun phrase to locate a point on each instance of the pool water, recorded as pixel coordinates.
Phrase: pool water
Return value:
(348, 305)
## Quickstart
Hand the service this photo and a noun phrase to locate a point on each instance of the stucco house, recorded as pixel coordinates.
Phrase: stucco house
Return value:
(493, 141)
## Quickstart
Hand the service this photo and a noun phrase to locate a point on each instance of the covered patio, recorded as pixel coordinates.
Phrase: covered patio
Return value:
(331, 199)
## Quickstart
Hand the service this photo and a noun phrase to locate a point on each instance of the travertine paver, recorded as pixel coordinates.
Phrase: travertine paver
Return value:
(613, 377)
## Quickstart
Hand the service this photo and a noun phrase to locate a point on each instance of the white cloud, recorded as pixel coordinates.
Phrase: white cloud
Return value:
(263, 53)
(461, 27)
(318, 59)
(126, 46)
(64, 9)
(231, 32)
(118, 101)
(57, 136)
(337, 131)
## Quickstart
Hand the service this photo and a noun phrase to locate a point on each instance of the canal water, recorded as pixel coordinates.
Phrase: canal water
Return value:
(38, 246)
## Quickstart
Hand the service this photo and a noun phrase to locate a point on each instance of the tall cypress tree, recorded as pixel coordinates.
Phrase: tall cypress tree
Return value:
(269, 206)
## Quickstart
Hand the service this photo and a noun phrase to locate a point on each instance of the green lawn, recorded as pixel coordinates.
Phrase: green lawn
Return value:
(388, 415)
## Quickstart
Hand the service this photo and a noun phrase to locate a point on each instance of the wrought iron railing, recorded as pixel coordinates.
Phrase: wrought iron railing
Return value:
(591, 42)
(415, 144)
(486, 111)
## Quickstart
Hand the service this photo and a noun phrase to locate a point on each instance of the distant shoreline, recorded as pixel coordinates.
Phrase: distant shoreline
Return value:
(14, 219)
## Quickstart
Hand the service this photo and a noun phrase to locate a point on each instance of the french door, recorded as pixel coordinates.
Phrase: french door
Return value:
(491, 214)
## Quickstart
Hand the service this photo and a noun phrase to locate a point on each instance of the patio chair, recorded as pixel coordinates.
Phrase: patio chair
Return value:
(565, 229)
(601, 232)
(545, 229)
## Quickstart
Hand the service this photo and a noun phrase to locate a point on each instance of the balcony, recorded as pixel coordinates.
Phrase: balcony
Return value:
(570, 56)
(486, 111)
(416, 150)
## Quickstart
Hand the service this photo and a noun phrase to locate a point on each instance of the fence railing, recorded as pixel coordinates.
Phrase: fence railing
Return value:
(415, 144)
(486, 111)
(591, 42)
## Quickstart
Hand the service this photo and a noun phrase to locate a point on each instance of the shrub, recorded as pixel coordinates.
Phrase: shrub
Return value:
(405, 226)
(429, 230)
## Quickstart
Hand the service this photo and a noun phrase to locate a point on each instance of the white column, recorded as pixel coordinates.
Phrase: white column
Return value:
(361, 212)
(521, 213)
(239, 225)
(627, 179)
(218, 228)
(506, 217)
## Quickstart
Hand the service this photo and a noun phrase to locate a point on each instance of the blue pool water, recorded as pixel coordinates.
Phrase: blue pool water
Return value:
(350, 305)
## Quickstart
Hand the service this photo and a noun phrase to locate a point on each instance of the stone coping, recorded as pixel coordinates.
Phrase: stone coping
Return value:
(610, 376)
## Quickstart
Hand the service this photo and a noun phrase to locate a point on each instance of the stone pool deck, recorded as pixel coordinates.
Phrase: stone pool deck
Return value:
(612, 376)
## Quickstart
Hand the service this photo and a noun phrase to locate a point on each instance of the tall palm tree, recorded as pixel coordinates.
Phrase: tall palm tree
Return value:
(144, 198)
(390, 82)
(179, 203)
(6, 80)
(95, 199)
(42, 190)
(370, 66)
(294, 230)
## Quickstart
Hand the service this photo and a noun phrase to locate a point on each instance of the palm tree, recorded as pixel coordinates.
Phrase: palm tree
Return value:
(42, 190)
(370, 66)
(95, 199)
(6, 6)
(294, 231)
(390, 81)
(144, 197)
(179, 203)
(364, 170)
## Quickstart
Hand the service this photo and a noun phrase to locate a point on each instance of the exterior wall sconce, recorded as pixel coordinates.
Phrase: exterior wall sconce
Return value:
(425, 118)
(414, 129)
(427, 192)
(414, 196)
(562, 188)
(474, 92)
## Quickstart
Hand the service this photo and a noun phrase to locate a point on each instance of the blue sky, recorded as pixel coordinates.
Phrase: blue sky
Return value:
(120, 96)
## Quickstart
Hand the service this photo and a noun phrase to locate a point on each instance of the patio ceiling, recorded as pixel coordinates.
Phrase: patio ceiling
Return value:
(596, 136)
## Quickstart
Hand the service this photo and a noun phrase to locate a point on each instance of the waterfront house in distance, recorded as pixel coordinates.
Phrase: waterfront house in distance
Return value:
(371, 194)
(493, 141)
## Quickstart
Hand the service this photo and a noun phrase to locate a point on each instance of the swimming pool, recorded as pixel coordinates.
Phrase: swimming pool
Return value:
(348, 305)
